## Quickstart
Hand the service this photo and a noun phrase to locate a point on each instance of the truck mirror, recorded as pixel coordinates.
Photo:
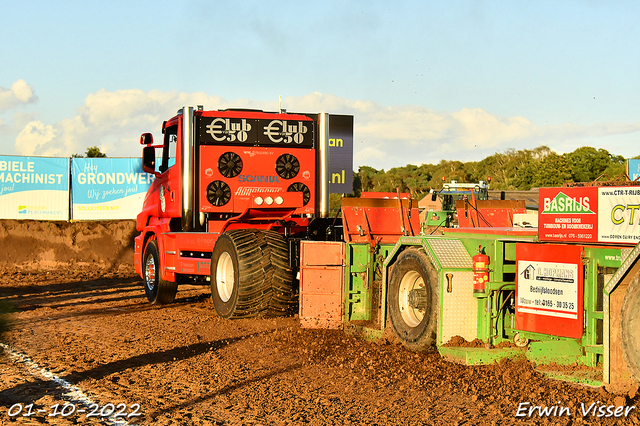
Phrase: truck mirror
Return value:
(434, 196)
(149, 159)
(146, 139)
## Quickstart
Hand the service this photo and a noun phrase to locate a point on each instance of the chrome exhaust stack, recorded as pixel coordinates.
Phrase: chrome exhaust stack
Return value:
(188, 168)
(323, 165)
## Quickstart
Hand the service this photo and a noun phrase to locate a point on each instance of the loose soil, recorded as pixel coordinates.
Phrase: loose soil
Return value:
(79, 311)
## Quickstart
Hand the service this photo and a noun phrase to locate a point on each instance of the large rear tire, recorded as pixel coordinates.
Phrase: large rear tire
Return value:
(412, 300)
(238, 281)
(250, 274)
(157, 290)
(276, 261)
(629, 326)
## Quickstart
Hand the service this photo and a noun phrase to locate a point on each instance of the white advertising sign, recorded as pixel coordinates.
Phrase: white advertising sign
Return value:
(34, 188)
(546, 288)
(619, 214)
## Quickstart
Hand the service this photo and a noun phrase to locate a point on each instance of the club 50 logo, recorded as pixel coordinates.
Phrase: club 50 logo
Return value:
(283, 131)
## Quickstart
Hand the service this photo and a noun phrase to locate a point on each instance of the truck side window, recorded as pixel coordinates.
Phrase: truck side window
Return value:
(169, 149)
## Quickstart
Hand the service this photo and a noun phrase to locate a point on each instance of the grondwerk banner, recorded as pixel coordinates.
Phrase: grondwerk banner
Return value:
(108, 188)
(34, 188)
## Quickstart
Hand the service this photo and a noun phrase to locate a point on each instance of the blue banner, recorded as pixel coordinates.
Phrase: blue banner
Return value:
(633, 168)
(28, 173)
(108, 188)
(34, 188)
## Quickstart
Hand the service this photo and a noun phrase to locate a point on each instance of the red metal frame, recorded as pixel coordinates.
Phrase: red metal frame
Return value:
(379, 220)
(488, 213)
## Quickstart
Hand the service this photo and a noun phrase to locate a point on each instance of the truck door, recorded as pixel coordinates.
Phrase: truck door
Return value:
(169, 180)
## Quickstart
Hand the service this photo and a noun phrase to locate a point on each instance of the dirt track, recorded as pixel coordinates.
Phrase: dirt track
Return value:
(85, 318)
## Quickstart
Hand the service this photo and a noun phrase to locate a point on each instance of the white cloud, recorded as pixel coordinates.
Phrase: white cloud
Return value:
(398, 135)
(113, 121)
(369, 155)
(36, 138)
(385, 136)
(19, 94)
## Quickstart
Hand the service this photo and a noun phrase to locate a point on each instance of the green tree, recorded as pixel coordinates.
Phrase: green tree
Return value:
(509, 170)
(418, 179)
(357, 185)
(525, 176)
(94, 152)
(369, 178)
(391, 180)
(616, 167)
(524, 168)
(449, 170)
(505, 167)
(588, 163)
(553, 170)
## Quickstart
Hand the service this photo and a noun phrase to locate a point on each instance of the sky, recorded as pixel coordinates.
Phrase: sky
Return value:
(425, 80)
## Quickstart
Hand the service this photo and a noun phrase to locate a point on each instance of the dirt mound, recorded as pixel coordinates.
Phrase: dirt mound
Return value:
(46, 245)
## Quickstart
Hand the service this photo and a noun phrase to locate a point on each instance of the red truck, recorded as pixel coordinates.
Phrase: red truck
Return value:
(234, 193)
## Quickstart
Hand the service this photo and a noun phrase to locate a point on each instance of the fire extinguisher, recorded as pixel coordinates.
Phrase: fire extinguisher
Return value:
(480, 272)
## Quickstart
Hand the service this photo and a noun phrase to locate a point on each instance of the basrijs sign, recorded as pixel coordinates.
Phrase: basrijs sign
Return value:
(590, 214)
(568, 214)
(564, 204)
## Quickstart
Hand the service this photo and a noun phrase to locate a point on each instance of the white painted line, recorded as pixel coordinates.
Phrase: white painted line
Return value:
(73, 393)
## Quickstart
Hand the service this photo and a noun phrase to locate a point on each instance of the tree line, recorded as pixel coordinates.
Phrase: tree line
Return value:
(509, 170)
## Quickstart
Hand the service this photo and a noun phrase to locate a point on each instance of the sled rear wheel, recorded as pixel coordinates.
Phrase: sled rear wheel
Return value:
(412, 300)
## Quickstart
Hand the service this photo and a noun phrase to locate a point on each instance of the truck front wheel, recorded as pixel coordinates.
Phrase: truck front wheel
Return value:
(157, 290)
(412, 300)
